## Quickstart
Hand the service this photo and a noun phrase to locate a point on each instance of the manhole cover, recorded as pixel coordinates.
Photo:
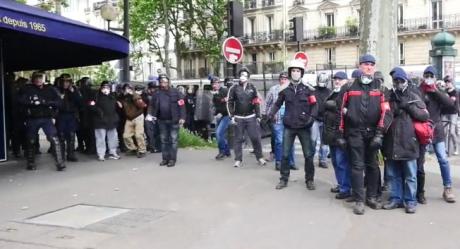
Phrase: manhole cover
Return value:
(77, 216)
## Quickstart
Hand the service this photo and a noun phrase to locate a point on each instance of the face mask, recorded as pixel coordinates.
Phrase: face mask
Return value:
(243, 79)
(129, 91)
(366, 79)
(138, 92)
(105, 91)
(296, 76)
(429, 81)
(400, 85)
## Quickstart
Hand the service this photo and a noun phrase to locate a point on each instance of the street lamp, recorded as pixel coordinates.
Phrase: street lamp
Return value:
(110, 13)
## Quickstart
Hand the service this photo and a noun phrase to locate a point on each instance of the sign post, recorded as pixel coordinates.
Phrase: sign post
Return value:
(233, 51)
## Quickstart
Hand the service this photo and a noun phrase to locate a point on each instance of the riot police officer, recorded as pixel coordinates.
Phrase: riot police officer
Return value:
(66, 120)
(41, 102)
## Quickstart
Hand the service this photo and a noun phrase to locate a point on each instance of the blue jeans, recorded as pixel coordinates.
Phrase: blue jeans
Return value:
(221, 135)
(402, 177)
(316, 131)
(278, 130)
(341, 168)
(169, 135)
(440, 151)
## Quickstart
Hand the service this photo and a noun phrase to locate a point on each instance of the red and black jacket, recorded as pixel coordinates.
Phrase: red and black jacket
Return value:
(301, 108)
(364, 107)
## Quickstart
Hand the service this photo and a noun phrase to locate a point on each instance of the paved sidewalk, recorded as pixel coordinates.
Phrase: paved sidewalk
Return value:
(201, 204)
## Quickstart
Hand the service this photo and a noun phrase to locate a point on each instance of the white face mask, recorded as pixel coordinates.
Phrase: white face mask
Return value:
(296, 76)
(243, 79)
(129, 91)
(105, 91)
(429, 81)
(366, 79)
(138, 92)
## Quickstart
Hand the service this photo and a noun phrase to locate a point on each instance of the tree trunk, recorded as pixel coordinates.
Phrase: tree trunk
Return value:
(166, 63)
(379, 37)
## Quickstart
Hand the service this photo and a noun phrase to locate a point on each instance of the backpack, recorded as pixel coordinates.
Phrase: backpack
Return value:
(424, 131)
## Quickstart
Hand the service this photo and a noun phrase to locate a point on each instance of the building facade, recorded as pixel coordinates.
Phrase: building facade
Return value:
(331, 33)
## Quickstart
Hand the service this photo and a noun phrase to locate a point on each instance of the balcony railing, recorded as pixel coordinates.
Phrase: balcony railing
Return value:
(427, 23)
(250, 4)
(329, 33)
(298, 2)
(263, 37)
(268, 3)
(189, 74)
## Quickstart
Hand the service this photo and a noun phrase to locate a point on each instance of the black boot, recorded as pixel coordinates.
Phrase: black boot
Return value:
(71, 148)
(60, 164)
(30, 154)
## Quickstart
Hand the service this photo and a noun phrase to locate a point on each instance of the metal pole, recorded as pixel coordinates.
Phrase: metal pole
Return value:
(265, 83)
(125, 62)
(298, 46)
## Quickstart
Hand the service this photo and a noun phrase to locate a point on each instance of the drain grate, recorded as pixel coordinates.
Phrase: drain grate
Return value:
(77, 216)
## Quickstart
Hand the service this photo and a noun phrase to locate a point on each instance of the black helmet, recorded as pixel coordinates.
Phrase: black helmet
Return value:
(161, 76)
(244, 69)
(284, 74)
(139, 88)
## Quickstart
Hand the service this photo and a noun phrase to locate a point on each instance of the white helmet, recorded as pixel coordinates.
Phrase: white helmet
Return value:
(296, 64)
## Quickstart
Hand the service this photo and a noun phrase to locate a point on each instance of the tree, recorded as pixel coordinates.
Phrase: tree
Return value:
(52, 5)
(148, 19)
(206, 28)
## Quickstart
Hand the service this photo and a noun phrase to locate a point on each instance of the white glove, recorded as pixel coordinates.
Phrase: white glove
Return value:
(218, 116)
(233, 121)
(149, 118)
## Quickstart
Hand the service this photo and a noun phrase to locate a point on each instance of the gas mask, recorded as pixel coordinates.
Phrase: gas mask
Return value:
(128, 91)
(296, 76)
(366, 79)
(429, 81)
(400, 85)
(244, 78)
(105, 91)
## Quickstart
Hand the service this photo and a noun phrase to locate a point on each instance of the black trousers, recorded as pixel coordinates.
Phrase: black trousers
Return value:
(363, 159)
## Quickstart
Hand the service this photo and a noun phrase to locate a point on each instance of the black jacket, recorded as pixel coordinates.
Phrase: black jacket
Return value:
(71, 101)
(400, 141)
(300, 106)
(219, 101)
(331, 119)
(435, 102)
(364, 107)
(177, 104)
(48, 98)
(321, 93)
(104, 112)
(243, 102)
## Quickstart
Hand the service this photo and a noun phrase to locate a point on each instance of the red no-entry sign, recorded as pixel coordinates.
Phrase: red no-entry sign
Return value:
(232, 49)
(302, 56)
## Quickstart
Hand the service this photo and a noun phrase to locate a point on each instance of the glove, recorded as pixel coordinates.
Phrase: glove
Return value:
(218, 116)
(149, 118)
(181, 122)
(376, 142)
(342, 143)
(233, 121)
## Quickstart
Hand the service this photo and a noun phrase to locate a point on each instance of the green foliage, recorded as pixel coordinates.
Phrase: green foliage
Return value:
(352, 25)
(327, 32)
(104, 72)
(52, 5)
(22, 1)
(188, 139)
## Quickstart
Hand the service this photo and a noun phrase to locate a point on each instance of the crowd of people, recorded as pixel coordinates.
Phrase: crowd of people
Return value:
(353, 120)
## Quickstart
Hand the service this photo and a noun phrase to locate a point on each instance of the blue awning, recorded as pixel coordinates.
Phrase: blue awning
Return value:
(35, 39)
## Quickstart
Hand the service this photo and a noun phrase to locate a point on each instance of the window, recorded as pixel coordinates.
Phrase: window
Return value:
(401, 54)
(270, 24)
(252, 26)
(272, 56)
(436, 7)
(400, 14)
(330, 19)
(330, 56)
(254, 58)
